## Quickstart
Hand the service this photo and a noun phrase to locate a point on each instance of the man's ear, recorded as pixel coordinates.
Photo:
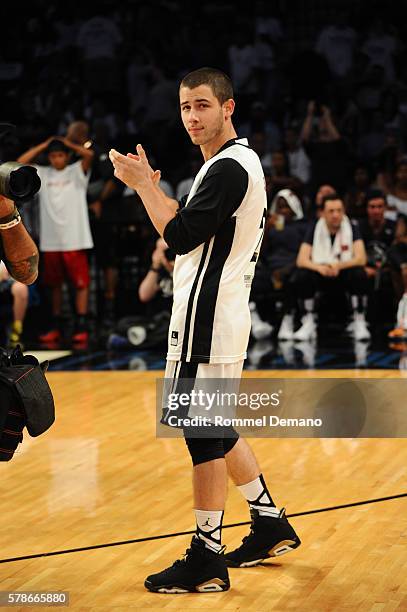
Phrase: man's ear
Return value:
(228, 108)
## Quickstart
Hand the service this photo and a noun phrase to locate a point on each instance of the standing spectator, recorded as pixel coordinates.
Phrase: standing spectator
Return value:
(355, 198)
(103, 190)
(300, 165)
(99, 40)
(381, 48)
(327, 151)
(243, 64)
(332, 256)
(64, 228)
(336, 43)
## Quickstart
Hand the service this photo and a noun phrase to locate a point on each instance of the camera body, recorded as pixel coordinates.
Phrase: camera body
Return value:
(18, 182)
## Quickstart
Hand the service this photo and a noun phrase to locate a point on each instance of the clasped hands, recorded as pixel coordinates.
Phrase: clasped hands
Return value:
(331, 269)
(134, 170)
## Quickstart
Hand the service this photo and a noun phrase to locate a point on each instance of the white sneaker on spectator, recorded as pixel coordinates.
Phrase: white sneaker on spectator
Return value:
(308, 329)
(257, 351)
(361, 351)
(286, 330)
(350, 328)
(402, 313)
(287, 352)
(361, 331)
(308, 348)
(260, 329)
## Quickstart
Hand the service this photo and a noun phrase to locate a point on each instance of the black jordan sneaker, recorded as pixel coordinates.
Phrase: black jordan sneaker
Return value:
(268, 537)
(199, 571)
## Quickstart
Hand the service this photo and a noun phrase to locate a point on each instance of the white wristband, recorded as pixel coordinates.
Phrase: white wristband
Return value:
(10, 224)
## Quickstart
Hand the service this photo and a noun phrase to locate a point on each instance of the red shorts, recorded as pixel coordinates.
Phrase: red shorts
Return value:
(62, 265)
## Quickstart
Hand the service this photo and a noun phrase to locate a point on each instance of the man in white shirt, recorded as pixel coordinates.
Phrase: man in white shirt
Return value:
(64, 227)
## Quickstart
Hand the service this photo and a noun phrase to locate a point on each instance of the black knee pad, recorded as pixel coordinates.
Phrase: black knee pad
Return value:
(205, 449)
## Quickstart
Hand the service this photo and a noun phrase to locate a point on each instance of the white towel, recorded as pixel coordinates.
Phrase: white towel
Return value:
(323, 251)
(292, 200)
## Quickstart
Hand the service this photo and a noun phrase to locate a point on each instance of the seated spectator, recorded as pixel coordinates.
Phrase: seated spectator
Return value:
(158, 280)
(397, 259)
(397, 198)
(326, 149)
(17, 293)
(377, 232)
(323, 192)
(284, 234)
(355, 198)
(195, 162)
(280, 176)
(300, 165)
(332, 256)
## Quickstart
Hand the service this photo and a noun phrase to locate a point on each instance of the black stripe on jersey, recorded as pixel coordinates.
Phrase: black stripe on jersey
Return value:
(205, 308)
(263, 219)
(191, 302)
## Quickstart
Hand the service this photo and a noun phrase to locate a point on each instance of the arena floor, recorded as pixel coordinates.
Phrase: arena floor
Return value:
(98, 502)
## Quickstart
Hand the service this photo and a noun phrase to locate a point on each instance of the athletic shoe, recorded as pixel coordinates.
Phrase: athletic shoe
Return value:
(308, 348)
(260, 329)
(402, 313)
(199, 571)
(360, 331)
(286, 330)
(308, 329)
(80, 337)
(52, 336)
(269, 537)
(398, 334)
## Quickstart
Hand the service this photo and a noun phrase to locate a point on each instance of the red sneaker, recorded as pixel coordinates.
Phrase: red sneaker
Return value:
(52, 336)
(80, 337)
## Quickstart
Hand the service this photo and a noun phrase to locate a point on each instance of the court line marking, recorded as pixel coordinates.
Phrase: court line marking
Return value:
(181, 533)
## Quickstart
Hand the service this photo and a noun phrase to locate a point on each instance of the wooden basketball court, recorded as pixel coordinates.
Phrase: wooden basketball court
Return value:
(100, 477)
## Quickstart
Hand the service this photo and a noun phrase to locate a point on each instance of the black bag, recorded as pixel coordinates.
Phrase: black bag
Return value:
(25, 400)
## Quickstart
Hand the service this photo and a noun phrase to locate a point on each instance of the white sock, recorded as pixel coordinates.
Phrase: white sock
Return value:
(259, 498)
(209, 528)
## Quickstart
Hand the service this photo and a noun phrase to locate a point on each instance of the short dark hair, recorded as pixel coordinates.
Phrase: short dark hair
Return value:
(57, 145)
(217, 80)
(332, 197)
(375, 194)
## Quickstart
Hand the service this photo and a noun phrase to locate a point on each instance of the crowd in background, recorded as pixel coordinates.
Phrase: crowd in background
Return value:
(321, 91)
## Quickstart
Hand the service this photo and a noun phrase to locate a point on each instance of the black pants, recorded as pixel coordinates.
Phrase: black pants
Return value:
(306, 283)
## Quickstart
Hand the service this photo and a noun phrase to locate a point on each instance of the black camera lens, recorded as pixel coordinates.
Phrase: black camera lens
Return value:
(18, 182)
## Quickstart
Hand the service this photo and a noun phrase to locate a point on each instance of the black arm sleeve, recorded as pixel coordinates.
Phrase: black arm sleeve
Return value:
(217, 198)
